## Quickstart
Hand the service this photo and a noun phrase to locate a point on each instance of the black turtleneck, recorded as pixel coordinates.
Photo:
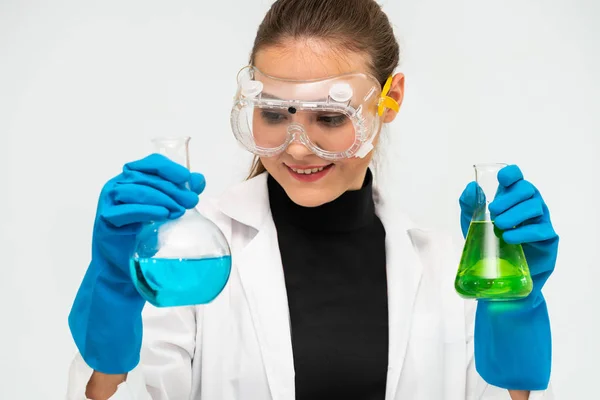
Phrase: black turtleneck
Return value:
(334, 264)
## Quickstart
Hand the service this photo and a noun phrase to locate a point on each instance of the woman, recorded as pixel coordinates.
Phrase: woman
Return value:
(333, 293)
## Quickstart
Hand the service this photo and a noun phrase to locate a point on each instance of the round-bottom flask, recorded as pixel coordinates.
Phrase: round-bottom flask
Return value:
(186, 261)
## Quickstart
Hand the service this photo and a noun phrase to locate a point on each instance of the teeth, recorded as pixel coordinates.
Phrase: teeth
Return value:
(307, 171)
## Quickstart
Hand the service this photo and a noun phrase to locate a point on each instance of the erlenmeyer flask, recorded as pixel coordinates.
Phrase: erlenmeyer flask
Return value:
(490, 268)
(180, 262)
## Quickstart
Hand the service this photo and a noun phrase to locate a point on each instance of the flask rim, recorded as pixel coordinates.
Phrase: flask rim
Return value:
(489, 165)
(171, 139)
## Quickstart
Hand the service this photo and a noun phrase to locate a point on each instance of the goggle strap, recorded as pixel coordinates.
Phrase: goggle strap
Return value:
(386, 101)
(364, 149)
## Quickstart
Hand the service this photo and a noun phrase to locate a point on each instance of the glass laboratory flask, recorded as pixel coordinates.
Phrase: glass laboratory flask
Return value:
(490, 268)
(185, 261)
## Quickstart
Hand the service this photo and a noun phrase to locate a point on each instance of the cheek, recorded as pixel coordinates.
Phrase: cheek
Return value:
(269, 163)
(354, 166)
(275, 167)
(351, 172)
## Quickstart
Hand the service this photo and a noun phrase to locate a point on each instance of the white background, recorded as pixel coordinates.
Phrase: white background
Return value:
(85, 85)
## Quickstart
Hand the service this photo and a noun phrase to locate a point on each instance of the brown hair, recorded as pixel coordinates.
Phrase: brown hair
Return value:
(354, 25)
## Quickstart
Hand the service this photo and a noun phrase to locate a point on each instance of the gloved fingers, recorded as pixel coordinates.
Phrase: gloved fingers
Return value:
(130, 193)
(159, 165)
(197, 183)
(511, 196)
(468, 198)
(467, 202)
(126, 214)
(465, 222)
(529, 233)
(509, 175)
(517, 215)
(183, 196)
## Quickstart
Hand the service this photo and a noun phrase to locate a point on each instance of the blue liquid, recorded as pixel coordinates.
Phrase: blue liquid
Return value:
(172, 282)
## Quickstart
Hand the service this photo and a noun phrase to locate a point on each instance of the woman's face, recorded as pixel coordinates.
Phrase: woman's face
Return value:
(312, 59)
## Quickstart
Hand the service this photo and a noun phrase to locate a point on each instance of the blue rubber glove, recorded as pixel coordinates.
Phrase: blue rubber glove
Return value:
(513, 344)
(105, 319)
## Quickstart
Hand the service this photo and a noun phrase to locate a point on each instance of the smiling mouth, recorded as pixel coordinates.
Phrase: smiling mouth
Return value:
(309, 171)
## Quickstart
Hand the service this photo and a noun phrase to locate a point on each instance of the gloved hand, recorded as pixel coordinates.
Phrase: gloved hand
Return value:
(105, 319)
(513, 346)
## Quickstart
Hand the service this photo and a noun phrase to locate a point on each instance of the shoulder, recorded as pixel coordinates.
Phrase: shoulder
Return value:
(439, 256)
(246, 202)
(437, 252)
(425, 239)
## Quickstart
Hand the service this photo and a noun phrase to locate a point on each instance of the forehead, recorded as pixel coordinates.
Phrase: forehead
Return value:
(306, 59)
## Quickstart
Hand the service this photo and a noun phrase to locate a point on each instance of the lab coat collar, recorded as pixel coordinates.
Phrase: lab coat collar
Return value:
(261, 273)
(247, 202)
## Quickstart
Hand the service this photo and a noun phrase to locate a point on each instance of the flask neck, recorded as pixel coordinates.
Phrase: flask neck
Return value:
(176, 149)
(190, 213)
(486, 176)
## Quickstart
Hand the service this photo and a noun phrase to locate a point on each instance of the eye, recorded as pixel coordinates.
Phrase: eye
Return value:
(272, 117)
(332, 120)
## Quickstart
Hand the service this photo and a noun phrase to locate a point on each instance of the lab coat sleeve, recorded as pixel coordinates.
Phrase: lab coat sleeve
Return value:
(477, 388)
(165, 368)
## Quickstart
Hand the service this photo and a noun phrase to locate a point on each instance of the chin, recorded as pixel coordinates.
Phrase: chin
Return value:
(310, 198)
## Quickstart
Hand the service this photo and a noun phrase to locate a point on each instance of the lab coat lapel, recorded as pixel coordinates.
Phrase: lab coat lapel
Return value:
(261, 274)
(403, 276)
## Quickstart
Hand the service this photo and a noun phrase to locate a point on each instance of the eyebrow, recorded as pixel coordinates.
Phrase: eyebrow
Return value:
(271, 96)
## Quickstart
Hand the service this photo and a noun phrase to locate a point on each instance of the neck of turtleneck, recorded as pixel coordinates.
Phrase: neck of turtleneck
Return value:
(333, 259)
(352, 210)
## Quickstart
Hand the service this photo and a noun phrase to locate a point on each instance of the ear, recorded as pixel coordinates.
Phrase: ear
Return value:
(397, 93)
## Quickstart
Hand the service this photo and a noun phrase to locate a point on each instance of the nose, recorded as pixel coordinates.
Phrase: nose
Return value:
(296, 148)
(298, 151)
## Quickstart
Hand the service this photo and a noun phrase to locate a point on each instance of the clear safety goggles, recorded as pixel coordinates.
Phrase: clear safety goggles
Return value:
(336, 117)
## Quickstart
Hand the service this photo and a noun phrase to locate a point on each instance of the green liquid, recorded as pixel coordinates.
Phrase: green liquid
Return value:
(490, 268)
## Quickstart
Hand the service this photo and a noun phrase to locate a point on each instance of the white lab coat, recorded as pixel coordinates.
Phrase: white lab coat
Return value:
(239, 346)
